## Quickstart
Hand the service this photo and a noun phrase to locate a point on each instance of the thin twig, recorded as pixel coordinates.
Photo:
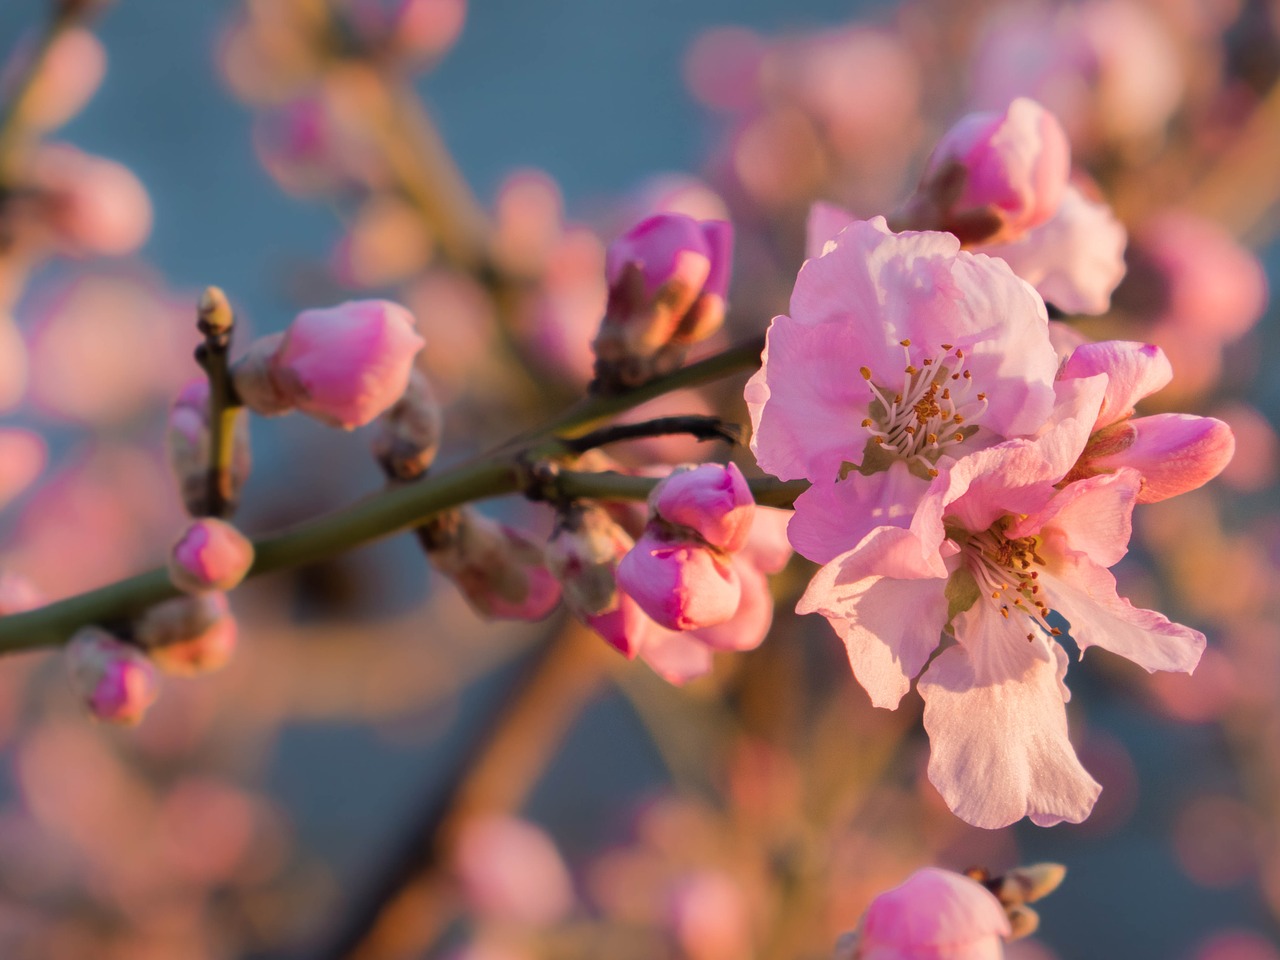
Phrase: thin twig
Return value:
(695, 425)
(217, 323)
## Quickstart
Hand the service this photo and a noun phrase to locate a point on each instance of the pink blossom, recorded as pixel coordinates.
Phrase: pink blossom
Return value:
(711, 499)
(13, 364)
(115, 679)
(901, 353)
(1014, 164)
(93, 206)
(668, 278)
(511, 871)
(1172, 452)
(1212, 285)
(991, 550)
(709, 917)
(1076, 259)
(933, 915)
(189, 635)
(343, 365)
(385, 243)
(211, 554)
(681, 585)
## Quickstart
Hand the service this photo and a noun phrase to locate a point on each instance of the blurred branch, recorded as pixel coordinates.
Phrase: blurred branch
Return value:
(390, 511)
(572, 485)
(63, 15)
(407, 906)
(217, 322)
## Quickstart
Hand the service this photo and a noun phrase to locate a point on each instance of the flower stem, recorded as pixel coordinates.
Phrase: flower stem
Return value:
(217, 322)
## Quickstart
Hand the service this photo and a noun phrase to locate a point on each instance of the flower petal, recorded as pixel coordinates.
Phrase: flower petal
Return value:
(1134, 370)
(832, 518)
(1085, 593)
(1174, 452)
(1093, 516)
(998, 728)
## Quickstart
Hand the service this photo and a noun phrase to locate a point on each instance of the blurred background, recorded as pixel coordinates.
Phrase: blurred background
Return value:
(379, 770)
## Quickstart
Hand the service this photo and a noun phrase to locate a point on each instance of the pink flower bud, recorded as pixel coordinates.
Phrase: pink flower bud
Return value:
(499, 570)
(187, 442)
(94, 206)
(511, 871)
(583, 554)
(425, 29)
(189, 635)
(680, 585)
(211, 554)
(712, 500)
(1174, 452)
(1014, 165)
(116, 680)
(935, 914)
(668, 277)
(409, 433)
(345, 365)
(253, 380)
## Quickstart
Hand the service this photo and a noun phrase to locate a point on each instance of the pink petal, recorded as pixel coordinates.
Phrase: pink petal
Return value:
(747, 628)
(831, 518)
(1076, 259)
(825, 221)
(1175, 453)
(1066, 433)
(977, 490)
(1093, 516)
(676, 657)
(807, 401)
(887, 646)
(767, 546)
(1085, 593)
(934, 914)
(998, 728)
(1134, 370)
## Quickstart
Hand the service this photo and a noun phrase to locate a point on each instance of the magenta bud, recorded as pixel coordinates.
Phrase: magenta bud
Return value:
(211, 554)
(499, 570)
(937, 914)
(189, 635)
(115, 679)
(583, 554)
(408, 435)
(668, 277)
(345, 365)
(681, 585)
(712, 499)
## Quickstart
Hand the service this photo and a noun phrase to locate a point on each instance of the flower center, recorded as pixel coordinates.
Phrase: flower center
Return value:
(1005, 571)
(930, 413)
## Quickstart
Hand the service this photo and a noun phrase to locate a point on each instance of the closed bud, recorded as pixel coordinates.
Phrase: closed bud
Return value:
(499, 570)
(187, 442)
(115, 679)
(189, 635)
(668, 277)
(712, 499)
(210, 555)
(347, 364)
(583, 554)
(1023, 922)
(681, 585)
(408, 435)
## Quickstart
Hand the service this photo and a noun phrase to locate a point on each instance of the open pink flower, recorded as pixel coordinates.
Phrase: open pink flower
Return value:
(1173, 452)
(901, 353)
(994, 548)
(933, 915)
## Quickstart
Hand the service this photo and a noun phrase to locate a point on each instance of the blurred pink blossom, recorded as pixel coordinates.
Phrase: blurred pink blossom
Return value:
(511, 872)
(1015, 167)
(191, 635)
(709, 917)
(933, 915)
(73, 70)
(116, 680)
(92, 206)
(211, 554)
